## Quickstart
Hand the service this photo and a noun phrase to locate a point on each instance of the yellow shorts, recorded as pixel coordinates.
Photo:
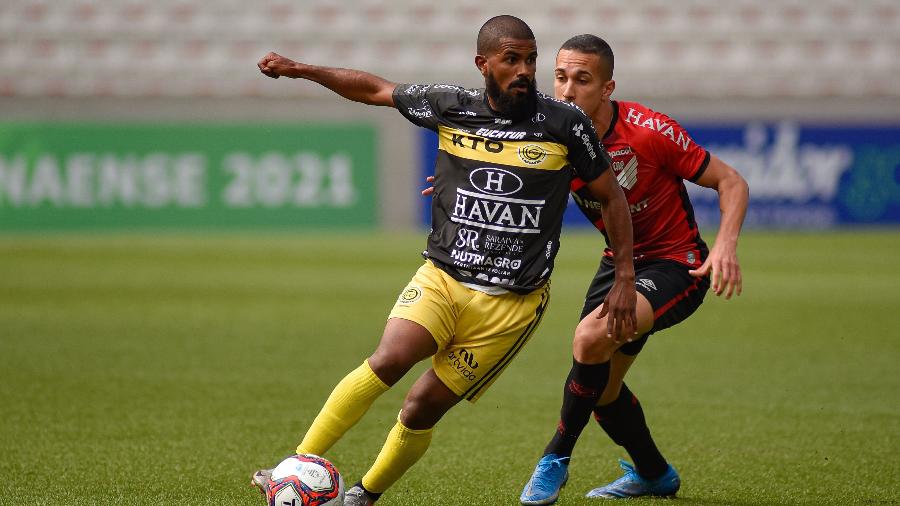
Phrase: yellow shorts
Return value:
(477, 334)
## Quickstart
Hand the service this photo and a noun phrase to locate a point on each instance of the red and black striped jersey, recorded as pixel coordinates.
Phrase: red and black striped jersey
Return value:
(652, 156)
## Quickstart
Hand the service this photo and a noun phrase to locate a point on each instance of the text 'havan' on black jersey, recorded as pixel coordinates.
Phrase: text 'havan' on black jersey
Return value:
(501, 184)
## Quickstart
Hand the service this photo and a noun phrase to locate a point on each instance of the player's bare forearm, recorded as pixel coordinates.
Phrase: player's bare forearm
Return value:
(355, 85)
(621, 301)
(722, 264)
(617, 219)
(734, 195)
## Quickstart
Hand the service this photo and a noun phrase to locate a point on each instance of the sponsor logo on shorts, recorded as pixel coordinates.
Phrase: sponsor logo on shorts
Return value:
(646, 283)
(411, 295)
(532, 154)
(464, 363)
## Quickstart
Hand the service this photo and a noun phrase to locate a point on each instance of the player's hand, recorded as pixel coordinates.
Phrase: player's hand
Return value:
(723, 269)
(274, 65)
(430, 190)
(620, 310)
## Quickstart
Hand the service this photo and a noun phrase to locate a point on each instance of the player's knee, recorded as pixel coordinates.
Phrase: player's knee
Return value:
(419, 413)
(388, 366)
(590, 344)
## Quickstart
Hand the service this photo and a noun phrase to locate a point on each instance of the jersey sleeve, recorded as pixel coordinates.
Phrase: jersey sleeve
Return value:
(419, 104)
(678, 152)
(586, 154)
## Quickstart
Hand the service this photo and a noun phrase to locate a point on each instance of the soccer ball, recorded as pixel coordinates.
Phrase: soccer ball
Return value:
(305, 480)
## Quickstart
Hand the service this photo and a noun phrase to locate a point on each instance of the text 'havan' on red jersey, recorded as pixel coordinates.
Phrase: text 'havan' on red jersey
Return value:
(652, 155)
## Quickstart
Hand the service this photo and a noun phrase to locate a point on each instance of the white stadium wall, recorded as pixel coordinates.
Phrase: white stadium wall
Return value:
(131, 62)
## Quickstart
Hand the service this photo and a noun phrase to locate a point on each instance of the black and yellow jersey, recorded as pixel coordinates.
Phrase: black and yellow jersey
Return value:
(501, 184)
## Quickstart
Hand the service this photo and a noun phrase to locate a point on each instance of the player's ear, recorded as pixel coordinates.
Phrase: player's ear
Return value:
(481, 63)
(608, 89)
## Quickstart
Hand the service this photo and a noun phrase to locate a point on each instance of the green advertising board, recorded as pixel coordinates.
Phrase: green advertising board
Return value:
(137, 176)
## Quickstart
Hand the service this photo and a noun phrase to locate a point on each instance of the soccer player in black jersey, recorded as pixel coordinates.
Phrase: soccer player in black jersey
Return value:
(506, 159)
(652, 155)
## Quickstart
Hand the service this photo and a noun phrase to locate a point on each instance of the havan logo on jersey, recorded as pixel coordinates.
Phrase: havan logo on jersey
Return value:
(495, 181)
(659, 125)
(494, 212)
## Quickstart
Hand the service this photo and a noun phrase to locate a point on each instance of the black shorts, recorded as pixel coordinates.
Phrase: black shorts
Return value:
(673, 293)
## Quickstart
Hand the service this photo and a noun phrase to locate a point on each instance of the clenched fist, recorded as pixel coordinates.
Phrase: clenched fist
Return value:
(274, 65)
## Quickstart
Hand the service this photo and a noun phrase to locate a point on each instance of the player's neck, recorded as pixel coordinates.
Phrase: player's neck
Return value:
(602, 118)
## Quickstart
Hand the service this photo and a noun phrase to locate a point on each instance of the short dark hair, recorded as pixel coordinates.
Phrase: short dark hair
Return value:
(591, 44)
(498, 27)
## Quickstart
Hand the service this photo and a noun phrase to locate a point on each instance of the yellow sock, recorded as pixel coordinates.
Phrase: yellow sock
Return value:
(403, 448)
(347, 403)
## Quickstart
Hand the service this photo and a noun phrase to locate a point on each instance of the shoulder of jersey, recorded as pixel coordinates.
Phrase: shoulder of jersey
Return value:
(561, 104)
(451, 89)
(643, 110)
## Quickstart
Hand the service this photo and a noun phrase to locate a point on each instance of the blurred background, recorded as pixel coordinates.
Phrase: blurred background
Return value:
(122, 114)
(130, 345)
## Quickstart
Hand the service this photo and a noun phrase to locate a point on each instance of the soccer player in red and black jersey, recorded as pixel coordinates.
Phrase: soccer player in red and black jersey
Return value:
(652, 156)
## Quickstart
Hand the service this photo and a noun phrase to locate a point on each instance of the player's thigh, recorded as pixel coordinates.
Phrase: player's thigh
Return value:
(490, 333)
(403, 344)
(671, 290)
(421, 322)
(591, 344)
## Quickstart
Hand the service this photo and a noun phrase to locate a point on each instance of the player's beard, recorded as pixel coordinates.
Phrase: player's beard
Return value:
(512, 105)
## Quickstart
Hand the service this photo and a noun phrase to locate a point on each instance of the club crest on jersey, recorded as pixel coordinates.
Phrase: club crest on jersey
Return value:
(532, 154)
(410, 295)
(626, 172)
(494, 181)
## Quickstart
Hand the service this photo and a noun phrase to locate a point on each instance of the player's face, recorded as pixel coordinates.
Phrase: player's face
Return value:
(580, 78)
(509, 76)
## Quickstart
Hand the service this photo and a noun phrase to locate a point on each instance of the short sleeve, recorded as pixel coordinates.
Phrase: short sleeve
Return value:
(678, 151)
(586, 154)
(416, 102)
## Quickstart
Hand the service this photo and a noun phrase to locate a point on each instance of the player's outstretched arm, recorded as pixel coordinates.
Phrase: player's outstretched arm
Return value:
(722, 263)
(351, 84)
(621, 301)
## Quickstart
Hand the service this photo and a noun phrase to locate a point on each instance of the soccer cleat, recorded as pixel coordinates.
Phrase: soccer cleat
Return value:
(356, 496)
(633, 485)
(261, 479)
(549, 476)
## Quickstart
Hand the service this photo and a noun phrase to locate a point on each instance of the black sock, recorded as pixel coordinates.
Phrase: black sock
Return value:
(623, 420)
(374, 496)
(583, 387)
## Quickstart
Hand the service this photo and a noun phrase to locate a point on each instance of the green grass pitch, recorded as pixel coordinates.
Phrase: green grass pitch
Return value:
(164, 369)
